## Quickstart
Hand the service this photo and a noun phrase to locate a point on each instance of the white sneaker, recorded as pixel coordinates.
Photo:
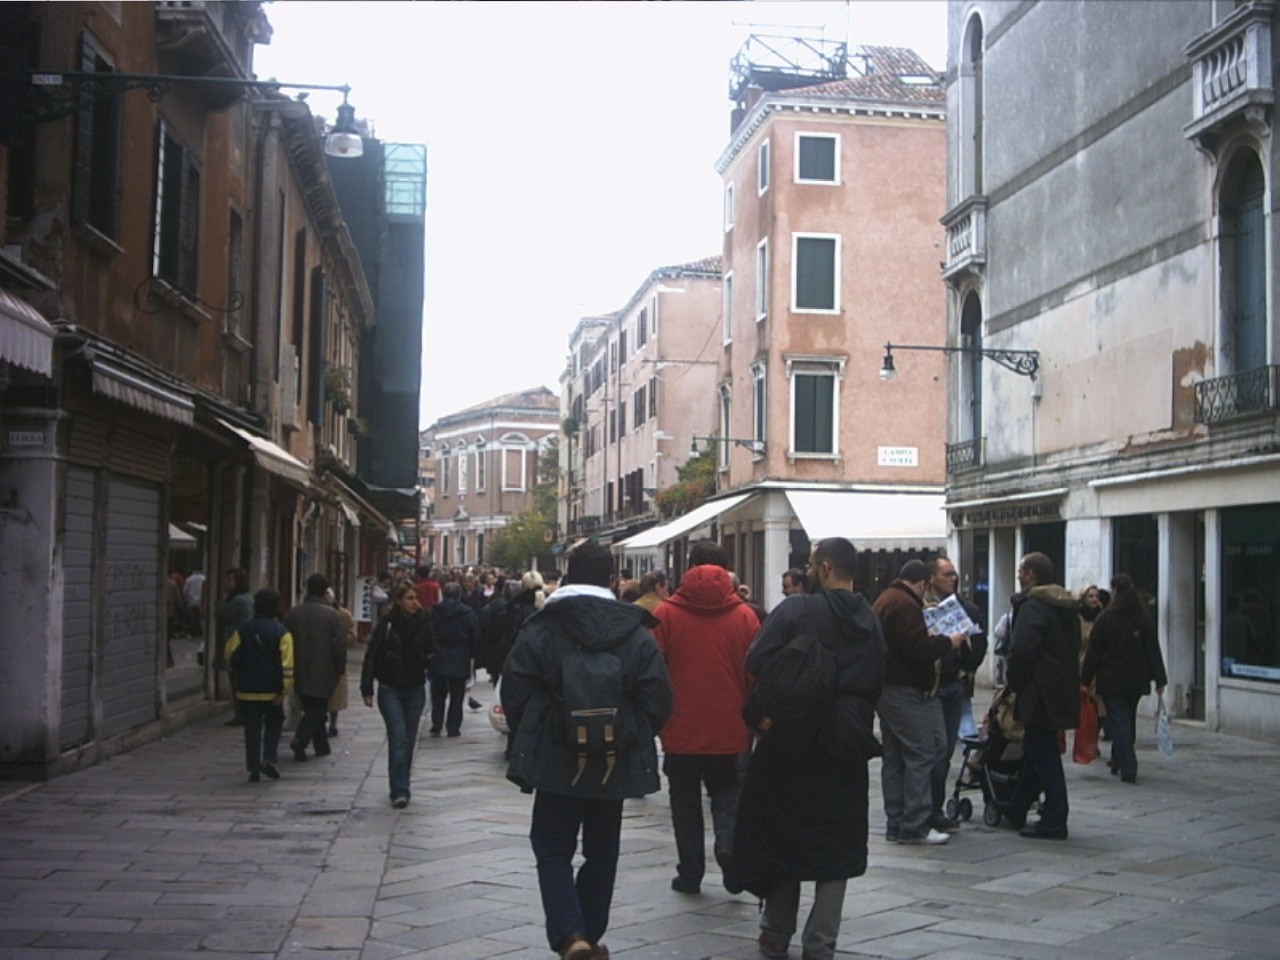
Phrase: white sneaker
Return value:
(931, 837)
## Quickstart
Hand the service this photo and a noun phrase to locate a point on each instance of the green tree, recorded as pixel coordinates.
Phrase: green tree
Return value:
(697, 482)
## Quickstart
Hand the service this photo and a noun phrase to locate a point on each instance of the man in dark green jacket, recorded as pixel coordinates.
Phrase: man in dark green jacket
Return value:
(576, 792)
(1044, 672)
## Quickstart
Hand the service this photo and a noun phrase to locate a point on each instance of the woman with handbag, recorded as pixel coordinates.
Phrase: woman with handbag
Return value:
(399, 653)
(1124, 657)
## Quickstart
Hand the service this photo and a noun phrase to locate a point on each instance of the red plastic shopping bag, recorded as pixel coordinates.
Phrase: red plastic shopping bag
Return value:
(1086, 740)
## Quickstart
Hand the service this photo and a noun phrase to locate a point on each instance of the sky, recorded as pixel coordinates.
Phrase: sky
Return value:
(571, 149)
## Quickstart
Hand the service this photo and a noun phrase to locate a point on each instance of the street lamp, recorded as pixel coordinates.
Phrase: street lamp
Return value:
(1022, 362)
(60, 93)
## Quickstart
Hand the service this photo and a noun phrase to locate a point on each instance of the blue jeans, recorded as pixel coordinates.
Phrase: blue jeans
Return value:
(581, 905)
(257, 749)
(1122, 714)
(401, 709)
(1040, 769)
(952, 696)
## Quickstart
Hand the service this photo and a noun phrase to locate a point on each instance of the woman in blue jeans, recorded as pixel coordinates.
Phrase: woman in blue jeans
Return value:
(399, 651)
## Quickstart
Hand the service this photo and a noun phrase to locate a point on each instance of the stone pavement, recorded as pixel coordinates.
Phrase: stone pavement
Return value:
(168, 851)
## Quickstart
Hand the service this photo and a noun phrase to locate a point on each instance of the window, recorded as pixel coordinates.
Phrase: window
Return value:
(815, 285)
(443, 471)
(760, 405)
(640, 409)
(762, 168)
(815, 412)
(642, 329)
(463, 459)
(969, 116)
(817, 158)
(513, 469)
(622, 347)
(728, 308)
(613, 425)
(622, 418)
(762, 280)
(96, 201)
(480, 468)
(1244, 267)
(653, 396)
(728, 207)
(726, 410)
(176, 244)
(971, 370)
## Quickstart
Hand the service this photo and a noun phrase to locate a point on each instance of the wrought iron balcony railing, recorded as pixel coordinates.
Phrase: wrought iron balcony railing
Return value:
(965, 455)
(1238, 395)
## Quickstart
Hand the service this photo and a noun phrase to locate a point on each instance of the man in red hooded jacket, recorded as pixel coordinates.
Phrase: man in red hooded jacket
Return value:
(704, 630)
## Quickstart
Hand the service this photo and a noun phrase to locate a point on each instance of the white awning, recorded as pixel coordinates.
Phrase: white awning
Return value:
(873, 521)
(698, 517)
(272, 457)
(26, 338)
(179, 539)
(131, 387)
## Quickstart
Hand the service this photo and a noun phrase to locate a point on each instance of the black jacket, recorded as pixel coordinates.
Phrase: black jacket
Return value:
(541, 757)
(1124, 655)
(805, 817)
(1044, 659)
(457, 633)
(399, 653)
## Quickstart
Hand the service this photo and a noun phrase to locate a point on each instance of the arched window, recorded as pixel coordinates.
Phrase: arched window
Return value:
(971, 370)
(971, 110)
(1244, 264)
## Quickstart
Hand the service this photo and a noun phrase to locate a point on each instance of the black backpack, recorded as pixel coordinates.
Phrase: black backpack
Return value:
(593, 703)
(795, 691)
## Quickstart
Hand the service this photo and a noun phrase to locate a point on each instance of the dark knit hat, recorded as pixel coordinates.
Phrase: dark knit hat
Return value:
(914, 571)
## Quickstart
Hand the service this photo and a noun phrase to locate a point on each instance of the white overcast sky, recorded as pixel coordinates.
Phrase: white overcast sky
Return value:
(571, 149)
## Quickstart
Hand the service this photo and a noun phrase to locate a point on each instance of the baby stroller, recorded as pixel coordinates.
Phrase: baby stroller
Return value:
(990, 764)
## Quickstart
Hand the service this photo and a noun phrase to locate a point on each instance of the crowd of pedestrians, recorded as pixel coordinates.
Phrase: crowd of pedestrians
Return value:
(598, 669)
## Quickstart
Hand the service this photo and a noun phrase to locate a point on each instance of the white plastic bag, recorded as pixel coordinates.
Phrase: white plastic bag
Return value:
(1163, 738)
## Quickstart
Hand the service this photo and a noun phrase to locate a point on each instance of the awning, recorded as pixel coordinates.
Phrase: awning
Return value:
(873, 521)
(179, 539)
(272, 457)
(26, 338)
(698, 517)
(115, 380)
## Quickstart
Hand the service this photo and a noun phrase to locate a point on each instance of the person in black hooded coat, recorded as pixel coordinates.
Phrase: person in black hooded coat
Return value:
(803, 814)
(457, 632)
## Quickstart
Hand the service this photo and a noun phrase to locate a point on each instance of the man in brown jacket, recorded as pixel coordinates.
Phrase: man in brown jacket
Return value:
(320, 660)
(911, 721)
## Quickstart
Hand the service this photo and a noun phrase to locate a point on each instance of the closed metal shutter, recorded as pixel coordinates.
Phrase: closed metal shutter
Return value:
(130, 628)
(77, 609)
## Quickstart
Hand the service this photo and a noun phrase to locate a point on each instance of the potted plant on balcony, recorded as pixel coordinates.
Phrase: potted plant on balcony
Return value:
(337, 386)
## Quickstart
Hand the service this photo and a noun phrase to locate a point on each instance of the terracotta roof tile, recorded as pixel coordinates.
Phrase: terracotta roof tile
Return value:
(882, 82)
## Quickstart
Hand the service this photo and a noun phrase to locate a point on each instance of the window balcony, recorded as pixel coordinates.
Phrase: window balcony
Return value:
(1238, 395)
(1232, 80)
(207, 39)
(966, 226)
(965, 455)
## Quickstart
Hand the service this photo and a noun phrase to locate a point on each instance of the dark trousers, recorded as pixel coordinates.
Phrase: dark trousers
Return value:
(259, 715)
(453, 689)
(314, 725)
(1040, 770)
(686, 775)
(1123, 714)
(952, 696)
(578, 905)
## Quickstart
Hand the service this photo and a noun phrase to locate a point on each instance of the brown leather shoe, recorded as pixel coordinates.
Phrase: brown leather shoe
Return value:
(601, 952)
(576, 948)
